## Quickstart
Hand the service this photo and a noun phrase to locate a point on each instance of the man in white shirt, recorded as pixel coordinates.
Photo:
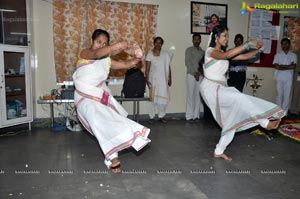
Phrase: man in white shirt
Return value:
(284, 63)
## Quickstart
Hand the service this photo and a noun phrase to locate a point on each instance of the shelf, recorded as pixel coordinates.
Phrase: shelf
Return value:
(14, 93)
(16, 105)
(13, 76)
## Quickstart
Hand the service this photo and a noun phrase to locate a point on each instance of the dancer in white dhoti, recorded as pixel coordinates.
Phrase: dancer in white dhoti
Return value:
(233, 110)
(97, 109)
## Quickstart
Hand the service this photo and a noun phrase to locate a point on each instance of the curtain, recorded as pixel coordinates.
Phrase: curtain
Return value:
(74, 21)
(294, 33)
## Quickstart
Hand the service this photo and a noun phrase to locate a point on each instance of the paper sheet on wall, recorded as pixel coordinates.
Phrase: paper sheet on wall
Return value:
(256, 15)
(275, 32)
(267, 43)
(261, 28)
(254, 33)
(267, 15)
(265, 33)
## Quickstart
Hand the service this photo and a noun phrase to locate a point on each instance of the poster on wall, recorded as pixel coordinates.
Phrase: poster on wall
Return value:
(260, 27)
(264, 26)
(286, 27)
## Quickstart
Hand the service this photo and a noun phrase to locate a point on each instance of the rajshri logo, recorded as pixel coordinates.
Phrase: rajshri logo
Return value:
(246, 8)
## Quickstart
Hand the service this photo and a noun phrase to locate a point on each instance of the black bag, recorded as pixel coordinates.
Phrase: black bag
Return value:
(134, 84)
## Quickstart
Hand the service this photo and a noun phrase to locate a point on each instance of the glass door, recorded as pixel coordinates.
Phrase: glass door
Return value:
(15, 73)
(16, 85)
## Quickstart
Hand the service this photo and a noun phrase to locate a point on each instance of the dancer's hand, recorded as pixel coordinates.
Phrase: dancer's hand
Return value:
(138, 51)
(197, 76)
(121, 45)
(262, 49)
(254, 43)
(148, 84)
(260, 44)
(134, 61)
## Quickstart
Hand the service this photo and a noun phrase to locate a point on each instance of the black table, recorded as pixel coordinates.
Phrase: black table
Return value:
(136, 105)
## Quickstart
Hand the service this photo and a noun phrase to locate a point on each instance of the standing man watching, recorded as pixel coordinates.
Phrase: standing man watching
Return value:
(237, 68)
(285, 63)
(193, 56)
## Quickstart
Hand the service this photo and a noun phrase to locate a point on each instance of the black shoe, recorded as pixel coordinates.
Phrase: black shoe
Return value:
(293, 115)
(196, 120)
(151, 121)
(162, 120)
(190, 121)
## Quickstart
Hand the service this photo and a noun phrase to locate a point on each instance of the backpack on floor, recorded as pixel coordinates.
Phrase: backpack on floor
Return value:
(134, 83)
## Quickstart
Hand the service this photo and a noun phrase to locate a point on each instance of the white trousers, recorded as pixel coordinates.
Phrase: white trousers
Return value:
(284, 87)
(159, 108)
(193, 102)
(227, 138)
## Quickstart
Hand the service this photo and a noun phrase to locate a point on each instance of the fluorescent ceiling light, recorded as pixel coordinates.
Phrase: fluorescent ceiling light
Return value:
(7, 10)
(19, 33)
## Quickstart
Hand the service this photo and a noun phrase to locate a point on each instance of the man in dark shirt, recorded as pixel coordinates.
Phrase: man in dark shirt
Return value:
(237, 68)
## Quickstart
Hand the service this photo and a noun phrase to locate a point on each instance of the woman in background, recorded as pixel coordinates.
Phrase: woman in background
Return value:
(158, 77)
(97, 109)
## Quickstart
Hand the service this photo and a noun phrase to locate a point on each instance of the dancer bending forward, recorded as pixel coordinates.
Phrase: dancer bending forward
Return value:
(97, 109)
(233, 110)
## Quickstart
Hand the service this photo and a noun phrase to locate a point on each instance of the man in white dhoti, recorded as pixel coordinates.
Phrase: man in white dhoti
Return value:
(233, 110)
(285, 62)
(193, 56)
(158, 77)
(97, 109)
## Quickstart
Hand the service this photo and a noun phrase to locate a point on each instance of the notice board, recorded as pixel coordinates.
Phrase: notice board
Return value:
(264, 25)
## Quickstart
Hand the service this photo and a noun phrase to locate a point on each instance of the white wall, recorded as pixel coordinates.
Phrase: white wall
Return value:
(173, 26)
(42, 54)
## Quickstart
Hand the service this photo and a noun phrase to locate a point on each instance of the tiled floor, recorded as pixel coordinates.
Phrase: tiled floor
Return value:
(177, 164)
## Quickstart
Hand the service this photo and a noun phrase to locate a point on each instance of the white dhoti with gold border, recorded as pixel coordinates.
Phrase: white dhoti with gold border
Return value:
(234, 111)
(101, 114)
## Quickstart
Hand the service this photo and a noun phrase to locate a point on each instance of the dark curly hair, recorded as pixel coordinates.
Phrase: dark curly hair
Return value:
(98, 32)
(158, 38)
(217, 30)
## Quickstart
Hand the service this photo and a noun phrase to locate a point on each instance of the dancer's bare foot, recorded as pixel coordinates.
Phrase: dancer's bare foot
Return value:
(273, 124)
(224, 156)
(115, 166)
